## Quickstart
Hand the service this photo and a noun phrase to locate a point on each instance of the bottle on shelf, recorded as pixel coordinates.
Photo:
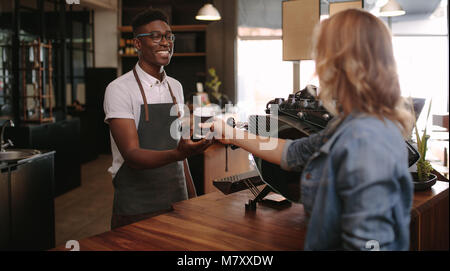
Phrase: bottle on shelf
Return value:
(121, 46)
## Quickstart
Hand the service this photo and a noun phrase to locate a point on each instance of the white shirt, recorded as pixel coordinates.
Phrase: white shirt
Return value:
(123, 100)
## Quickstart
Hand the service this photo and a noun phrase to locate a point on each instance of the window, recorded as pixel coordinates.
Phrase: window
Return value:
(80, 52)
(262, 75)
(420, 41)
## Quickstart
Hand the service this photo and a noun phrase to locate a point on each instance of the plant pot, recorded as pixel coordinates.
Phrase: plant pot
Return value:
(423, 185)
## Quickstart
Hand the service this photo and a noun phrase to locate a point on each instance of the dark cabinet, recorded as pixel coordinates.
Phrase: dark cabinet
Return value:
(4, 209)
(27, 219)
(62, 137)
(32, 207)
(97, 131)
(65, 135)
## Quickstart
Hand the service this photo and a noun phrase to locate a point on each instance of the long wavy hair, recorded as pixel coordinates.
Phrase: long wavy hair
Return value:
(356, 68)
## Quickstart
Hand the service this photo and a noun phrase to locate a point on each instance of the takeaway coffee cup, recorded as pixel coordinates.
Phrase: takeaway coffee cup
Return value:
(202, 115)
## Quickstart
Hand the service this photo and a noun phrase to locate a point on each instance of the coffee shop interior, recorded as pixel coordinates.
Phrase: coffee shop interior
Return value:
(58, 56)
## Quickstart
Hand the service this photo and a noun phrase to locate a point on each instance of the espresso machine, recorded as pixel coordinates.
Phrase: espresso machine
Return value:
(300, 115)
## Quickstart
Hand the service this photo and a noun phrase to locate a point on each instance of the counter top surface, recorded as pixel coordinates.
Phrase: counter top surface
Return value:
(210, 222)
(424, 199)
(220, 222)
(26, 160)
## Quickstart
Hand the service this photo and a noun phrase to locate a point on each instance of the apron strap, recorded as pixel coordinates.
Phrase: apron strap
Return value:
(142, 93)
(174, 100)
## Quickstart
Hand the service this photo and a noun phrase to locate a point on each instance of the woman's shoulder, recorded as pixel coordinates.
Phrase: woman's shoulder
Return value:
(370, 126)
(372, 132)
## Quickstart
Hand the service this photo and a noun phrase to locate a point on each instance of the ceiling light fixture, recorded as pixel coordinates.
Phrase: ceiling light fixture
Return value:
(208, 13)
(392, 8)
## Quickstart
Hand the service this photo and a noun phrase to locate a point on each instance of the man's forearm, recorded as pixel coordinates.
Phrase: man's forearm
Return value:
(148, 159)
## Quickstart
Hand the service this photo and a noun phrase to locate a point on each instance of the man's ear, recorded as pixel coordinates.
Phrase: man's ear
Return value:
(137, 44)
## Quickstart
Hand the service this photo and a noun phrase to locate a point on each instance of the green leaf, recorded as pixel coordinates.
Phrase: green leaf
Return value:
(417, 137)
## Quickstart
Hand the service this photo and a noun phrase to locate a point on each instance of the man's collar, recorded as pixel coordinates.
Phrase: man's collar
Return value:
(148, 79)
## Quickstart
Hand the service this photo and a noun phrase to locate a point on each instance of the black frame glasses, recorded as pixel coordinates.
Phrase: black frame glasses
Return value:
(157, 36)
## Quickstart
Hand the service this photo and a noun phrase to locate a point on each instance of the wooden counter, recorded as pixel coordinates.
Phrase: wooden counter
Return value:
(430, 218)
(210, 222)
(218, 222)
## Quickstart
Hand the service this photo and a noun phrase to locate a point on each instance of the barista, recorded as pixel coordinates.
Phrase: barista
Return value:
(149, 168)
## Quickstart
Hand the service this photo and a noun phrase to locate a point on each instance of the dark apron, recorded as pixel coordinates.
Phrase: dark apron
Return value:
(139, 194)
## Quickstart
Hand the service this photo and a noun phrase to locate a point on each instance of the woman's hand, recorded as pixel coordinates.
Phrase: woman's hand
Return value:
(267, 148)
(221, 131)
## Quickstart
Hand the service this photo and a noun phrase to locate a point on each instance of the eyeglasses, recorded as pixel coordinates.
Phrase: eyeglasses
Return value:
(156, 36)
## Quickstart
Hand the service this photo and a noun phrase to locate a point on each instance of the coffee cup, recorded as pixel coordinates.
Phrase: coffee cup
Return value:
(202, 115)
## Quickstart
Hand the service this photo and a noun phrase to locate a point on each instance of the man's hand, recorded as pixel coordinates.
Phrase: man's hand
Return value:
(187, 147)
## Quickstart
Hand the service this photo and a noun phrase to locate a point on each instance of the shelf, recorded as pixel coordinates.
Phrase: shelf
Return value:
(36, 68)
(189, 54)
(175, 28)
(40, 120)
(175, 54)
(46, 96)
(133, 55)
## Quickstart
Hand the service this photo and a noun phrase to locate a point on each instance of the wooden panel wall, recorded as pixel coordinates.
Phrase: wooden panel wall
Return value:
(340, 6)
(299, 20)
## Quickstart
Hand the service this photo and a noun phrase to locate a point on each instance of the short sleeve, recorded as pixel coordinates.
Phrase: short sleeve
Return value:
(117, 103)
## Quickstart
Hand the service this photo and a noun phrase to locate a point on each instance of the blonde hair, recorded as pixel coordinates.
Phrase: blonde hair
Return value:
(356, 68)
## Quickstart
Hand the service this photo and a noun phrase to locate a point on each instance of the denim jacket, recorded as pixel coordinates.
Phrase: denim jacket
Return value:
(355, 185)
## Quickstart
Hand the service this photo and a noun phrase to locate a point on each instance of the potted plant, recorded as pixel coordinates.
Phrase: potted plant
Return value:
(213, 85)
(423, 178)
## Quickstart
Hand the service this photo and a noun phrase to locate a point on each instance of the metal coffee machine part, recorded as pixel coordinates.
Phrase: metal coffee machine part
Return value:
(304, 106)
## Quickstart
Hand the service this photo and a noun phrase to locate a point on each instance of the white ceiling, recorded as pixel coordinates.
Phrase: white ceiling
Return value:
(416, 7)
(424, 7)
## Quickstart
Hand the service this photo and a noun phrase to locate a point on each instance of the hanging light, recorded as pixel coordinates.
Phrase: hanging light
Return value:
(208, 13)
(392, 8)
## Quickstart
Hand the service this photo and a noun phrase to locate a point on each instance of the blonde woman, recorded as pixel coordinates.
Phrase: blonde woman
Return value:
(355, 184)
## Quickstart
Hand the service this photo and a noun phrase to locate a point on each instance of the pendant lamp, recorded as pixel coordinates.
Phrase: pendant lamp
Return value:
(208, 13)
(392, 8)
